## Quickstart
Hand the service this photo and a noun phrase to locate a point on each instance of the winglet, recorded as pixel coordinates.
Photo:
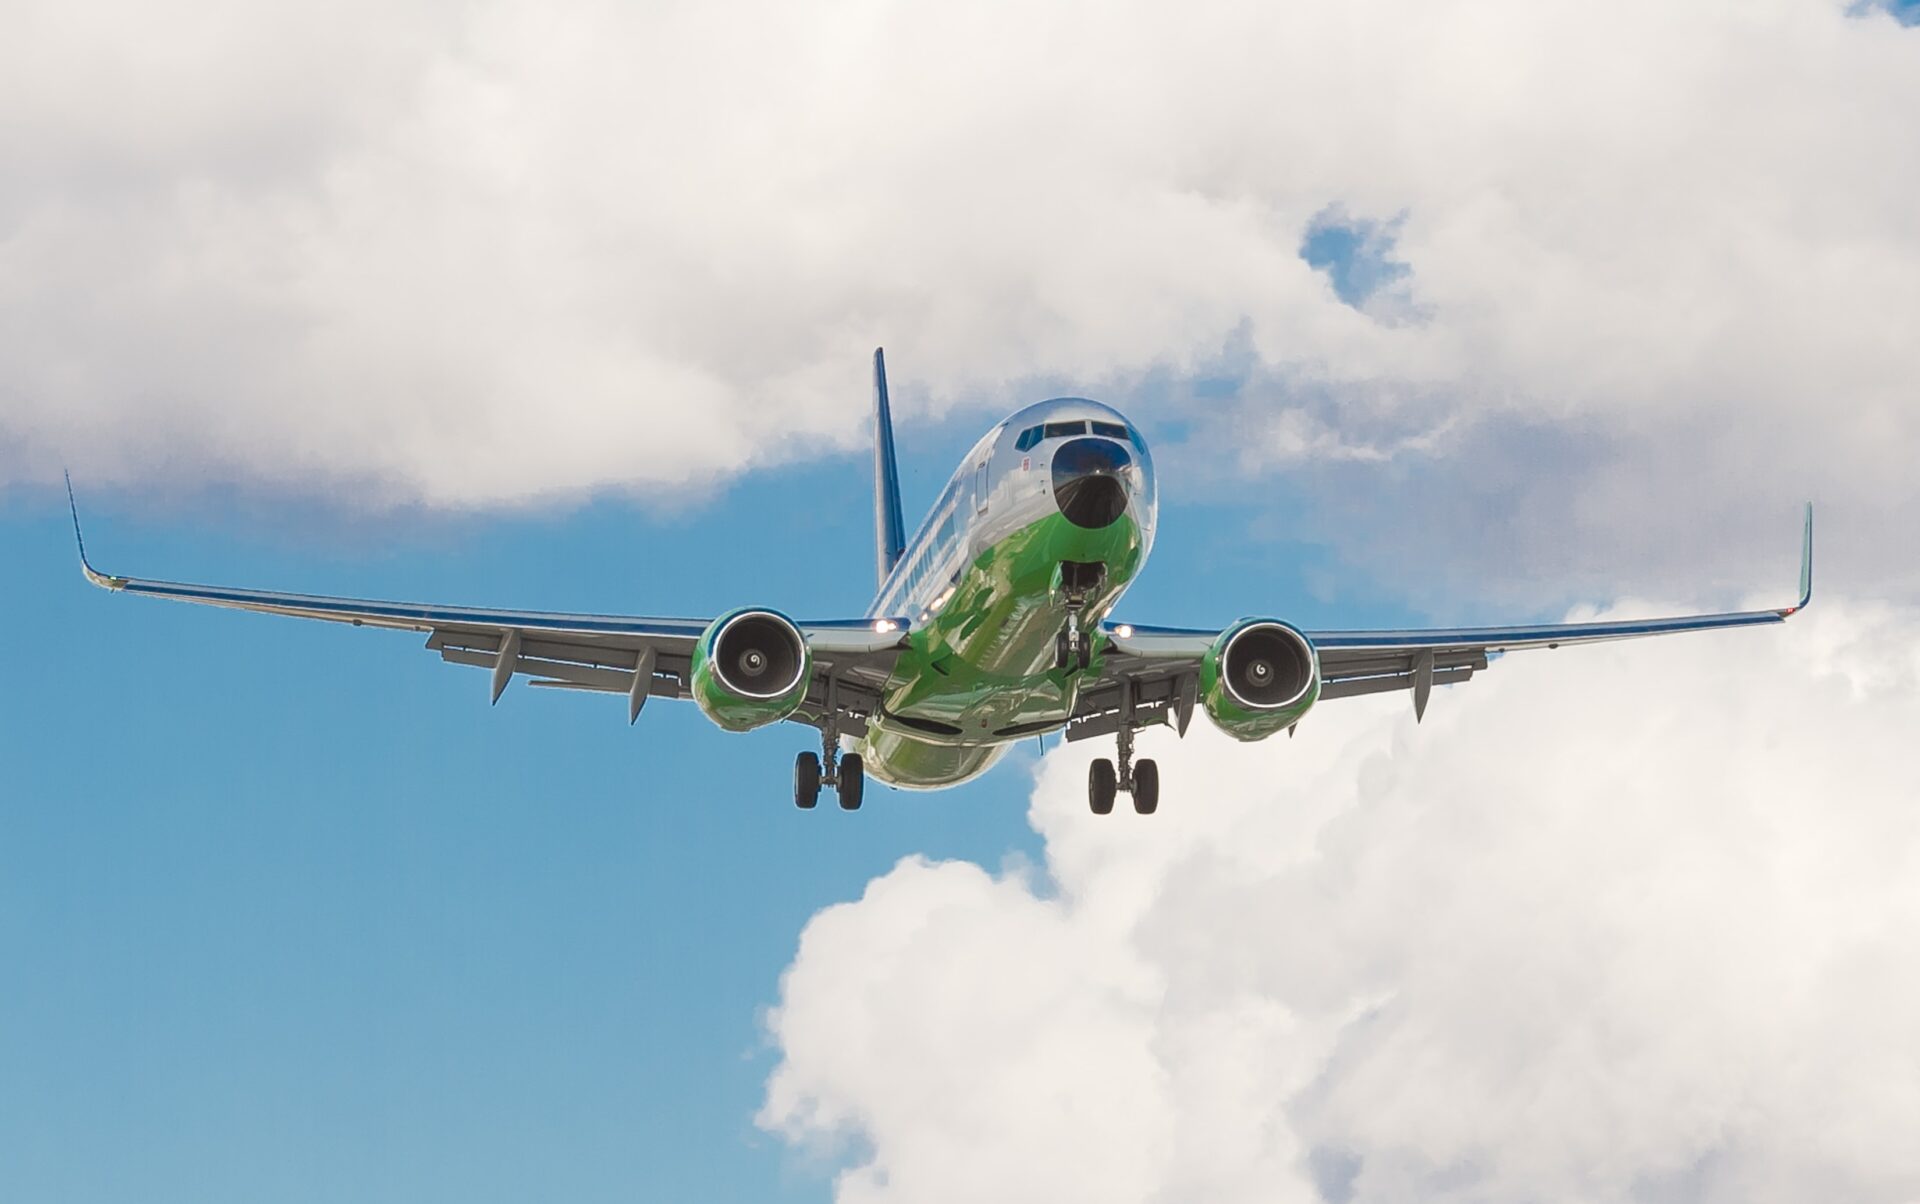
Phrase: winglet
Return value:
(1806, 568)
(98, 578)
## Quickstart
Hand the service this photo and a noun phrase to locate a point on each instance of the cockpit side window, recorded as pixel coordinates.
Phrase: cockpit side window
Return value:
(1027, 439)
(1060, 430)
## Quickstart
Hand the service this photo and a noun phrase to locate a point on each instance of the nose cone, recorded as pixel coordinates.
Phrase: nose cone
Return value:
(1089, 481)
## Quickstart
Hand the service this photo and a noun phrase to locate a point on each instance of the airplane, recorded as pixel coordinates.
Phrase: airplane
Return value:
(990, 625)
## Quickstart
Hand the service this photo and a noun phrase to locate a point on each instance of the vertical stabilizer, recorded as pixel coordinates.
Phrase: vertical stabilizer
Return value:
(889, 529)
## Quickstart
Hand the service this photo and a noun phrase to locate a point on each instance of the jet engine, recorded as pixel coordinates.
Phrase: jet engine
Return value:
(1260, 676)
(751, 668)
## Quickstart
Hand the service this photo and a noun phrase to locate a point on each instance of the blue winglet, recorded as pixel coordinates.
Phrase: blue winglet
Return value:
(98, 578)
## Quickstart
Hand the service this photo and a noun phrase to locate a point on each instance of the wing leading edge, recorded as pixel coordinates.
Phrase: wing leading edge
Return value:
(1417, 659)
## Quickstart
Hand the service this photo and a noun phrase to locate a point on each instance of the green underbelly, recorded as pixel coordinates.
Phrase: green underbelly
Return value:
(980, 673)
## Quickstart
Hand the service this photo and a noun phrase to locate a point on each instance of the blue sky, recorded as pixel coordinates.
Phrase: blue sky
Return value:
(1907, 12)
(288, 912)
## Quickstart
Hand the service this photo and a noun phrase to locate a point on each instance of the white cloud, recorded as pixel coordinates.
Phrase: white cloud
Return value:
(1636, 922)
(479, 254)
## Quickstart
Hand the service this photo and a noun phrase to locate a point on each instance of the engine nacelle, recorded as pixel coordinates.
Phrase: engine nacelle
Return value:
(751, 668)
(1260, 677)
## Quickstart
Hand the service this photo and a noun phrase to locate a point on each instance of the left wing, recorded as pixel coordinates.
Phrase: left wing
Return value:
(1157, 668)
(639, 657)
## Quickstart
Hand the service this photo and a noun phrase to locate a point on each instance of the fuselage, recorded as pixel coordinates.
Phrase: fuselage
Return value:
(1043, 526)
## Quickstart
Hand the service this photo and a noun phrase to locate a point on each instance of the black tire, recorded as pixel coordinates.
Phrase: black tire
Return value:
(1101, 786)
(1060, 651)
(806, 780)
(1086, 651)
(853, 781)
(1146, 787)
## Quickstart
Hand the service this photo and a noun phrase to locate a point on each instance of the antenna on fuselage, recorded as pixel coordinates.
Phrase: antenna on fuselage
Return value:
(889, 528)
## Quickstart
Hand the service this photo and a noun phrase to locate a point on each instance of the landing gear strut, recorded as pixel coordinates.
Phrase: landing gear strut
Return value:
(1105, 779)
(1073, 582)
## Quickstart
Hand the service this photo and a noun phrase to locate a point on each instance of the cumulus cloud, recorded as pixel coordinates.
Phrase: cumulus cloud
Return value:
(1636, 922)
(481, 254)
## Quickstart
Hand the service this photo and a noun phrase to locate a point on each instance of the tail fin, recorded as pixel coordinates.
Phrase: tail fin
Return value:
(889, 529)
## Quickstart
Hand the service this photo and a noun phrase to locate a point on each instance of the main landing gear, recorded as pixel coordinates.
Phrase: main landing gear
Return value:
(1142, 781)
(847, 775)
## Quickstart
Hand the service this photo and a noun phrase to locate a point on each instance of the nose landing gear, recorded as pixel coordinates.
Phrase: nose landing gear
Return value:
(1072, 648)
(1073, 582)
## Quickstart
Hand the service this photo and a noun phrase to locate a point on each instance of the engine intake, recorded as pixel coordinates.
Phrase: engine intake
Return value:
(750, 669)
(759, 655)
(1267, 665)
(1260, 675)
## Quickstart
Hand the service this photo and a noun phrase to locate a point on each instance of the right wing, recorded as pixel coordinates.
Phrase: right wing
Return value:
(636, 656)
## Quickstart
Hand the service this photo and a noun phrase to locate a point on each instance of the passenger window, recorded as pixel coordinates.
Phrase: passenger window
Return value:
(1112, 430)
(1060, 430)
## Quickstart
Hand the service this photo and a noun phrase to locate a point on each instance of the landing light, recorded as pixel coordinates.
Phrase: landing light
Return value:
(1124, 631)
(883, 626)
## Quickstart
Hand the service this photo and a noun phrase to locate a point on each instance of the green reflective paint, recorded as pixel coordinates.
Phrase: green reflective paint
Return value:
(728, 709)
(978, 671)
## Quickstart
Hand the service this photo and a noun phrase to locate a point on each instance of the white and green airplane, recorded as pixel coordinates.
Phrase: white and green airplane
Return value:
(991, 625)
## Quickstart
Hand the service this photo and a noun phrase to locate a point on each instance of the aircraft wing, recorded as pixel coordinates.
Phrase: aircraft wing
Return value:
(635, 656)
(1153, 668)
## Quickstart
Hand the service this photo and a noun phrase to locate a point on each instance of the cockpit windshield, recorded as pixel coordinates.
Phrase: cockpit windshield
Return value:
(1031, 437)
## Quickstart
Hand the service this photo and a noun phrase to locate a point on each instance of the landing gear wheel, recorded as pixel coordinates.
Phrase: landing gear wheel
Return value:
(1146, 787)
(806, 780)
(853, 781)
(1101, 786)
(1060, 658)
(1086, 653)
